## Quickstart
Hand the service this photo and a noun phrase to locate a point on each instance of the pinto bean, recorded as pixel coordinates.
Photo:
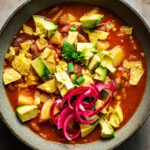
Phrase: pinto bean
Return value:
(63, 21)
(58, 52)
(17, 41)
(11, 87)
(34, 51)
(81, 38)
(65, 29)
(78, 70)
(101, 27)
(50, 46)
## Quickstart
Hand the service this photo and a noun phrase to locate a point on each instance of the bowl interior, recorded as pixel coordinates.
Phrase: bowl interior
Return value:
(24, 134)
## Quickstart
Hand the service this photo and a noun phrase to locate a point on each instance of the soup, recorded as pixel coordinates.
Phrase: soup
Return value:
(75, 73)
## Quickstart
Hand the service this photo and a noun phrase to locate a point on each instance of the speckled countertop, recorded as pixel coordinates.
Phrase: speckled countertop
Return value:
(140, 141)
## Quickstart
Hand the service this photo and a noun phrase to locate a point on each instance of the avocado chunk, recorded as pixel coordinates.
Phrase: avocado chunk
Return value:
(41, 68)
(90, 21)
(116, 118)
(27, 112)
(98, 104)
(85, 57)
(95, 61)
(107, 60)
(63, 83)
(44, 28)
(100, 74)
(86, 46)
(87, 128)
(107, 130)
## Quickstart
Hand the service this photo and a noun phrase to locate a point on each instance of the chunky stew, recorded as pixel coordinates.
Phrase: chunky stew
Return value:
(75, 73)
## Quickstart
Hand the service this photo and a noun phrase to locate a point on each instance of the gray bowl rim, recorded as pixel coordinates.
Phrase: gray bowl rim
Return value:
(27, 142)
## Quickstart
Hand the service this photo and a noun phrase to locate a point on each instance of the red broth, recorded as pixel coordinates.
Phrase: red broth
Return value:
(131, 95)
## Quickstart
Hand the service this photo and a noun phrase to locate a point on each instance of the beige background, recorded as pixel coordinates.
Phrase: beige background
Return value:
(8, 6)
(141, 140)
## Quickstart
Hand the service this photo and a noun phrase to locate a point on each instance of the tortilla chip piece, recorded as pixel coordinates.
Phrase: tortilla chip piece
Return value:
(41, 43)
(110, 25)
(96, 35)
(9, 56)
(72, 37)
(10, 75)
(25, 46)
(27, 29)
(21, 64)
(126, 30)
(46, 53)
(136, 71)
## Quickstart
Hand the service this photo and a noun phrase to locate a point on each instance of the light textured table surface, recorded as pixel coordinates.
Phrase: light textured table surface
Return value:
(140, 141)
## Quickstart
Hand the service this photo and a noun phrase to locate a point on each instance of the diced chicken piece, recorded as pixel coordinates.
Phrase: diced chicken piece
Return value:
(10, 75)
(136, 71)
(118, 55)
(27, 29)
(25, 100)
(126, 30)
(45, 111)
(21, 64)
(96, 35)
(41, 96)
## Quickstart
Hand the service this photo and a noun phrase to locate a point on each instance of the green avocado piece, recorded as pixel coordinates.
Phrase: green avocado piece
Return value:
(41, 68)
(107, 60)
(85, 56)
(95, 61)
(44, 27)
(90, 21)
(63, 83)
(100, 73)
(27, 112)
(107, 130)
(73, 78)
(87, 128)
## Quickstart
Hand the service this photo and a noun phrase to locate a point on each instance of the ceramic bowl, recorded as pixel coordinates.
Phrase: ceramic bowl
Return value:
(124, 11)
